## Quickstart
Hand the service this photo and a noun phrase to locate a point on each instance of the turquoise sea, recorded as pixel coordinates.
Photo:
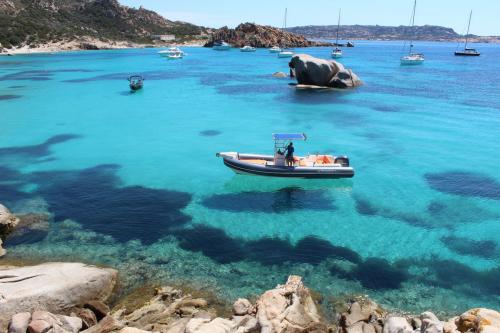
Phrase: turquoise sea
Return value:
(131, 180)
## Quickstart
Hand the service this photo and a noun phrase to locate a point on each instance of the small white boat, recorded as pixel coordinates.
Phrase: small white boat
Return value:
(248, 48)
(311, 166)
(172, 52)
(285, 54)
(221, 45)
(275, 49)
(413, 59)
(337, 53)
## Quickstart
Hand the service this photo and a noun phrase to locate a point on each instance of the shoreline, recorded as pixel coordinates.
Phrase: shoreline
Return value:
(97, 45)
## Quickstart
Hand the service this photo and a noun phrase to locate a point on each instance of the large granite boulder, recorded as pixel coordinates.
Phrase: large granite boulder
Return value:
(479, 320)
(397, 325)
(53, 287)
(311, 71)
(289, 308)
(430, 323)
(8, 221)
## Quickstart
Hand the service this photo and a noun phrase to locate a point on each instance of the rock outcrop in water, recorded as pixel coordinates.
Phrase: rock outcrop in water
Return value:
(8, 222)
(288, 308)
(53, 287)
(311, 71)
(260, 36)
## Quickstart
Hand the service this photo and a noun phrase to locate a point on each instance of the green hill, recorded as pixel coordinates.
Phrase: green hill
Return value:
(33, 22)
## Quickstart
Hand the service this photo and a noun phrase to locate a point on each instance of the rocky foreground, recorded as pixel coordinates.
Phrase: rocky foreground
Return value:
(260, 36)
(48, 304)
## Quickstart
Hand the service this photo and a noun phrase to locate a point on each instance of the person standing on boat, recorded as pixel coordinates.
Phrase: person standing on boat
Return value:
(289, 154)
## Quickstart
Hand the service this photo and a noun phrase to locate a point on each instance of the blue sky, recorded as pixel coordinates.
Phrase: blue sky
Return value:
(217, 13)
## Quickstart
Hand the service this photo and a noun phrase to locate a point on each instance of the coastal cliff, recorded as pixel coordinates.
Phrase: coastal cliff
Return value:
(260, 36)
(35, 23)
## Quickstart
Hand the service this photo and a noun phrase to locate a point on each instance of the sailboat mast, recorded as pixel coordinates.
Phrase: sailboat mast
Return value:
(413, 24)
(338, 28)
(468, 29)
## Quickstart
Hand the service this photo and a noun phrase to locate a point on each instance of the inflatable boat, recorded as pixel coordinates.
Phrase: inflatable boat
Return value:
(310, 166)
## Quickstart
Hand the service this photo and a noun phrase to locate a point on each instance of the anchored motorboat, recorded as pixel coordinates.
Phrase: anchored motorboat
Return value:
(248, 48)
(136, 82)
(310, 166)
(221, 45)
(285, 54)
(172, 53)
(275, 49)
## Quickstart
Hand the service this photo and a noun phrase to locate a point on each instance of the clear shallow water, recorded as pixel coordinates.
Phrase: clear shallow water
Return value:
(132, 180)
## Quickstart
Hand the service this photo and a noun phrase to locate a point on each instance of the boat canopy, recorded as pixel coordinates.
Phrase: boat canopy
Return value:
(289, 136)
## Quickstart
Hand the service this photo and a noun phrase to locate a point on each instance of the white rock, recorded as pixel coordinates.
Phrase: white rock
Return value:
(397, 325)
(430, 323)
(218, 325)
(52, 287)
(132, 330)
(19, 322)
(288, 308)
(242, 306)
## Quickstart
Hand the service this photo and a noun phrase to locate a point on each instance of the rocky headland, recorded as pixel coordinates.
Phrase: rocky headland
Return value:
(56, 25)
(260, 36)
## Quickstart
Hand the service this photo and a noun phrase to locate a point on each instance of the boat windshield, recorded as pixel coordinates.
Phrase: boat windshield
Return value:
(281, 140)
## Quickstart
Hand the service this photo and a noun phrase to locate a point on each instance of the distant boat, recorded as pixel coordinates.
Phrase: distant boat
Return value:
(221, 45)
(285, 53)
(275, 49)
(136, 82)
(413, 58)
(468, 51)
(337, 53)
(248, 49)
(172, 52)
(350, 44)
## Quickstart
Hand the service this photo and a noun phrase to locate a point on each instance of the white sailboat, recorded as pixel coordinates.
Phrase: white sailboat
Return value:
(468, 52)
(248, 48)
(285, 53)
(413, 58)
(337, 53)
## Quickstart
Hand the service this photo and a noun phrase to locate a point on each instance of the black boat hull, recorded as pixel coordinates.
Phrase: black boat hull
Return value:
(466, 54)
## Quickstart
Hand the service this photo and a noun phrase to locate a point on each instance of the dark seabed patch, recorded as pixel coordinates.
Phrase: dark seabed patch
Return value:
(465, 246)
(308, 97)
(365, 207)
(385, 108)
(40, 150)
(458, 210)
(151, 75)
(8, 97)
(463, 183)
(217, 245)
(95, 198)
(210, 133)
(244, 89)
(286, 199)
(39, 75)
(375, 274)
(16, 87)
(454, 275)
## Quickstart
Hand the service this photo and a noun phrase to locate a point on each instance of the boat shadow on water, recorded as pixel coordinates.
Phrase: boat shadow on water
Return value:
(242, 183)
